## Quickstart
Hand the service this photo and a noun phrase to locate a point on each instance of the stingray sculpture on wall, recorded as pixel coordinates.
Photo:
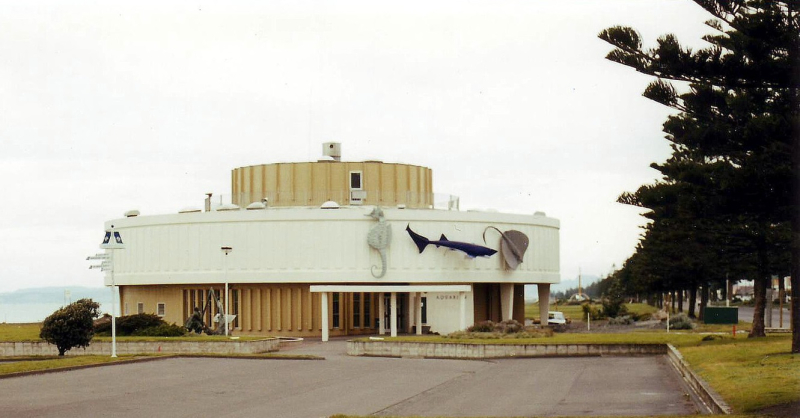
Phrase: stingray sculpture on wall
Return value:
(471, 250)
(513, 245)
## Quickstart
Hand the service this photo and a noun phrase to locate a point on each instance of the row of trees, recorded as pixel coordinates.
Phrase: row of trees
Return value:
(728, 203)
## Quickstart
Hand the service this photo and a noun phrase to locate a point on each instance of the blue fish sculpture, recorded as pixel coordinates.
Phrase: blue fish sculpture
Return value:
(471, 250)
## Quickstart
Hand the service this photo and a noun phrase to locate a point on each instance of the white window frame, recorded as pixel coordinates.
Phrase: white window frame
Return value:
(139, 307)
(360, 180)
(161, 306)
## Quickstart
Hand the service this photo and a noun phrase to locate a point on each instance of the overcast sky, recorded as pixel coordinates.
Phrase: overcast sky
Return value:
(112, 106)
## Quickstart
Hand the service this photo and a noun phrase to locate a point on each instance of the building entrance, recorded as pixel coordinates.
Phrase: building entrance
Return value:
(402, 311)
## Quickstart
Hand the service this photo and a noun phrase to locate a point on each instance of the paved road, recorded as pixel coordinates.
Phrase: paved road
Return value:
(342, 384)
(746, 314)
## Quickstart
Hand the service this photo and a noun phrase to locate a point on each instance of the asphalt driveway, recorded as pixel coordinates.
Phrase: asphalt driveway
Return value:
(193, 387)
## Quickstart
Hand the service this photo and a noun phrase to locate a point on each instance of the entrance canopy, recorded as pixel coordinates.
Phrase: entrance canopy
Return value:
(325, 290)
(343, 288)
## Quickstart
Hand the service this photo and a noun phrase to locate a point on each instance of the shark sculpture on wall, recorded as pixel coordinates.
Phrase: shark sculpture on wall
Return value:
(471, 250)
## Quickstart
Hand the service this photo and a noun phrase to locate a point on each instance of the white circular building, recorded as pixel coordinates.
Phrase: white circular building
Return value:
(318, 259)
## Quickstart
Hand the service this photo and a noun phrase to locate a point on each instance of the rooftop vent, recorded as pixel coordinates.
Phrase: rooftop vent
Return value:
(227, 206)
(329, 205)
(131, 213)
(333, 150)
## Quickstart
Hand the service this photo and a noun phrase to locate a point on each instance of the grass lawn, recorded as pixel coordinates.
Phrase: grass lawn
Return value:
(749, 374)
(47, 363)
(19, 332)
(575, 312)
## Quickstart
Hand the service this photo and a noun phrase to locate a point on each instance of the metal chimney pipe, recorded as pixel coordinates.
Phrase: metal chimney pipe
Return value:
(208, 202)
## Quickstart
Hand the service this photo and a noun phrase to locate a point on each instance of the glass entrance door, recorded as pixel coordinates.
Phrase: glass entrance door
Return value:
(402, 303)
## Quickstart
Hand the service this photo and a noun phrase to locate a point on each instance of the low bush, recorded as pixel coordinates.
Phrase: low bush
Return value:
(621, 320)
(144, 324)
(506, 327)
(526, 332)
(681, 321)
(483, 326)
(163, 330)
(593, 312)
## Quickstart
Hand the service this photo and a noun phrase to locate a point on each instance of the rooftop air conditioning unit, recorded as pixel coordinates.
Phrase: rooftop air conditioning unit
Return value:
(357, 197)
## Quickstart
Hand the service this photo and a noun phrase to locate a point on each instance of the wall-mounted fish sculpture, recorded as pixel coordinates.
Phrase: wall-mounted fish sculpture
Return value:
(471, 250)
(379, 237)
(512, 246)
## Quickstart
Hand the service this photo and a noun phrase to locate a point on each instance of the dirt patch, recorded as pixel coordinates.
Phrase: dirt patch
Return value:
(789, 410)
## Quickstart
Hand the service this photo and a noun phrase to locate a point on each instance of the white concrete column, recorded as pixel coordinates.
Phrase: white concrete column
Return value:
(418, 316)
(381, 314)
(462, 306)
(506, 301)
(324, 309)
(544, 301)
(393, 312)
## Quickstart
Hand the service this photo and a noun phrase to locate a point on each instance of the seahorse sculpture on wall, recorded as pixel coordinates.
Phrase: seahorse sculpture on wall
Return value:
(379, 237)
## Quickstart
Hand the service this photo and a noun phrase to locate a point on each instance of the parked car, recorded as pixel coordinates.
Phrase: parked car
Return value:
(556, 318)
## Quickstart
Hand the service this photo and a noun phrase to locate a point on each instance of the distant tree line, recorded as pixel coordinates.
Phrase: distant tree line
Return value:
(727, 206)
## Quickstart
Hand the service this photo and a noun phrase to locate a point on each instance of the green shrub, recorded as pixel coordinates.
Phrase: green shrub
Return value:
(681, 321)
(144, 324)
(621, 320)
(70, 326)
(593, 312)
(506, 327)
(483, 326)
(163, 330)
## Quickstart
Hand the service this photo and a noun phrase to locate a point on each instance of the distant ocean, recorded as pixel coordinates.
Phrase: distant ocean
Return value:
(34, 305)
(19, 313)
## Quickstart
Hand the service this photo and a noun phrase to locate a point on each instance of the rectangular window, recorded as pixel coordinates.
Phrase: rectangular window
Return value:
(160, 308)
(424, 310)
(356, 310)
(367, 306)
(140, 308)
(336, 310)
(126, 309)
(355, 180)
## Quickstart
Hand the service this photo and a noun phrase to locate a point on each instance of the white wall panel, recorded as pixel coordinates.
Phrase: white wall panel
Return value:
(304, 245)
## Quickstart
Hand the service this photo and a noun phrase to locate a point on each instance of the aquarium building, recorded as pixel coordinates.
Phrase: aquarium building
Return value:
(332, 248)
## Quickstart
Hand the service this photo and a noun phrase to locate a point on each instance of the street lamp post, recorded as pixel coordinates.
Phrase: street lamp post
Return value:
(226, 251)
(112, 241)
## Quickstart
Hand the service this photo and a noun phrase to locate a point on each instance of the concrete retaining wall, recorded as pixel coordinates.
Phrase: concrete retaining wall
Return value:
(482, 351)
(711, 399)
(41, 348)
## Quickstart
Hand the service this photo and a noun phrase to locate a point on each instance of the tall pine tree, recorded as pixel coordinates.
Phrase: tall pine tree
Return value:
(740, 115)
